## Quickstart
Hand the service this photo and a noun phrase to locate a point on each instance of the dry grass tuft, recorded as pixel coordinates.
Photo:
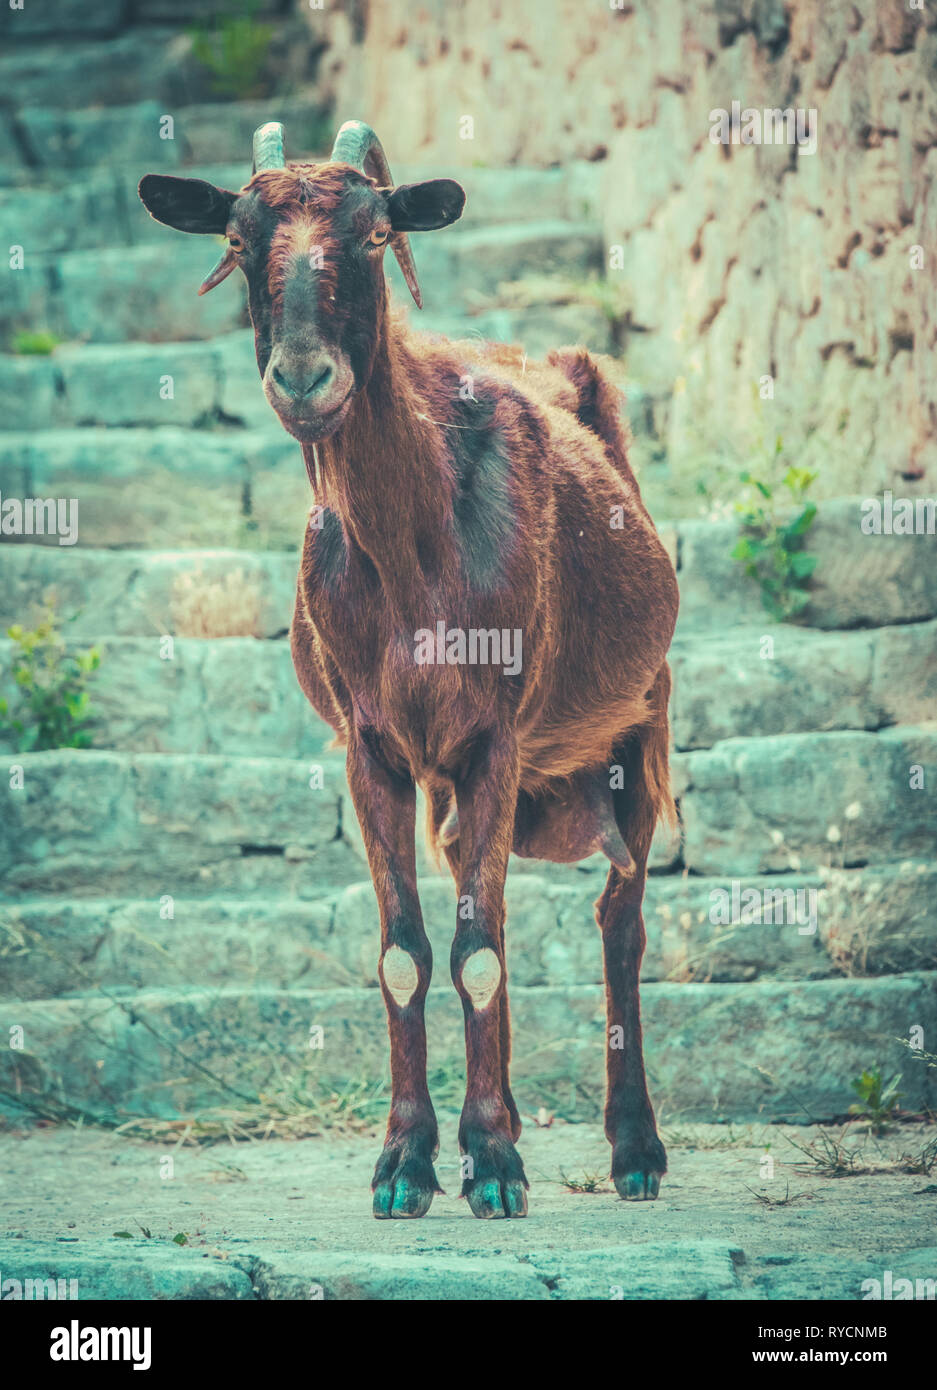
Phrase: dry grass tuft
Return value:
(204, 606)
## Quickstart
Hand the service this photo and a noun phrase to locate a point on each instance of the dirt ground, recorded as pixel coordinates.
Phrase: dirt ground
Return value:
(292, 1219)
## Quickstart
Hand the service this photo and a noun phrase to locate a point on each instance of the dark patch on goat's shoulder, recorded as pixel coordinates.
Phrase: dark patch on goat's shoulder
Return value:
(485, 516)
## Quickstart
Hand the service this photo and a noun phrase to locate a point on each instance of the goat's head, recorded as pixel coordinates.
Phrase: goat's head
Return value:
(310, 239)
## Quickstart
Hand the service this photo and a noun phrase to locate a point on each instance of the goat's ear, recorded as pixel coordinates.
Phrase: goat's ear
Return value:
(422, 207)
(189, 205)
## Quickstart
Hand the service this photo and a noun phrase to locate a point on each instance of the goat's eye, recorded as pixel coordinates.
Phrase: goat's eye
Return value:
(236, 244)
(377, 238)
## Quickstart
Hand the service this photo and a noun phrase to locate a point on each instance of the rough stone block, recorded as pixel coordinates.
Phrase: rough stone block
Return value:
(803, 800)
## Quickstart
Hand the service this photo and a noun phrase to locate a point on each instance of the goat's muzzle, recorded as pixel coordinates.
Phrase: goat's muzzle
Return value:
(311, 393)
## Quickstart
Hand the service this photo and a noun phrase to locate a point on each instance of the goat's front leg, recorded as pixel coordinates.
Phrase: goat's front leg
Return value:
(404, 1179)
(486, 797)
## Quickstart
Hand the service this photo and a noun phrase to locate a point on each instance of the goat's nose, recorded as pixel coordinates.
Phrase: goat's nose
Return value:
(305, 382)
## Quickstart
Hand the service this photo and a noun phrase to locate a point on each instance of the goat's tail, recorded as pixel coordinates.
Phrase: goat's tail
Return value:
(646, 795)
(600, 404)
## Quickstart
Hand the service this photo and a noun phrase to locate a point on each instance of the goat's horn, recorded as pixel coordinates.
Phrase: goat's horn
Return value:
(268, 147)
(220, 272)
(356, 144)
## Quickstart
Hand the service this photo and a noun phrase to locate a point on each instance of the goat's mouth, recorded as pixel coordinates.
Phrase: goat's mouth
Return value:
(311, 426)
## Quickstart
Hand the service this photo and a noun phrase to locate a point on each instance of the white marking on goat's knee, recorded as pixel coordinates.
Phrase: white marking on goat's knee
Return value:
(481, 976)
(400, 975)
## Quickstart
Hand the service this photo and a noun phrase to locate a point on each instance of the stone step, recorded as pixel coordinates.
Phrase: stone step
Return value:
(110, 295)
(783, 679)
(81, 70)
(457, 268)
(740, 1052)
(537, 329)
(132, 386)
(101, 1272)
(235, 695)
(136, 593)
(64, 64)
(860, 581)
(178, 824)
(896, 583)
(859, 922)
(148, 292)
(73, 215)
(140, 487)
(60, 17)
(241, 695)
(198, 825)
(113, 824)
(137, 138)
(213, 382)
(55, 19)
(802, 801)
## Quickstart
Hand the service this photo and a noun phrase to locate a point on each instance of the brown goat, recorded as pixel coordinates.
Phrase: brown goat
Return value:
(471, 500)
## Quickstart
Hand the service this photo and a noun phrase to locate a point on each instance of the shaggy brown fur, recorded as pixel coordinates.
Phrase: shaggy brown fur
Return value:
(310, 193)
(462, 485)
(596, 607)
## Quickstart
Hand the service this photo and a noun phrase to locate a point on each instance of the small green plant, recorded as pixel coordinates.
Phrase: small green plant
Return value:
(878, 1099)
(53, 703)
(234, 49)
(770, 548)
(29, 343)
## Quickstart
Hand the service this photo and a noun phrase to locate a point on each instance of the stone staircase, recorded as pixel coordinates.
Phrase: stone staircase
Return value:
(186, 903)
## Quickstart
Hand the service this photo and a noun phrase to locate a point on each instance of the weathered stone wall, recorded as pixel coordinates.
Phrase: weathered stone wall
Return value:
(736, 262)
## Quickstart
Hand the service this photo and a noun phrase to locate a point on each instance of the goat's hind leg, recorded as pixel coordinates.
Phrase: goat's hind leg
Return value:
(638, 1157)
(404, 1179)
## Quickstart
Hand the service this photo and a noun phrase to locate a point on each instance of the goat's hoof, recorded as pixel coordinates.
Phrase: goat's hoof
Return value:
(490, 1199)
(498, 1186)
(639, 1186)
(400, 1200)
(637, 1169)
(403, 1187)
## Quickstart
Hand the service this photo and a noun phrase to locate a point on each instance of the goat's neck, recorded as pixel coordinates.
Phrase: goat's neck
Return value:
(386, 472)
